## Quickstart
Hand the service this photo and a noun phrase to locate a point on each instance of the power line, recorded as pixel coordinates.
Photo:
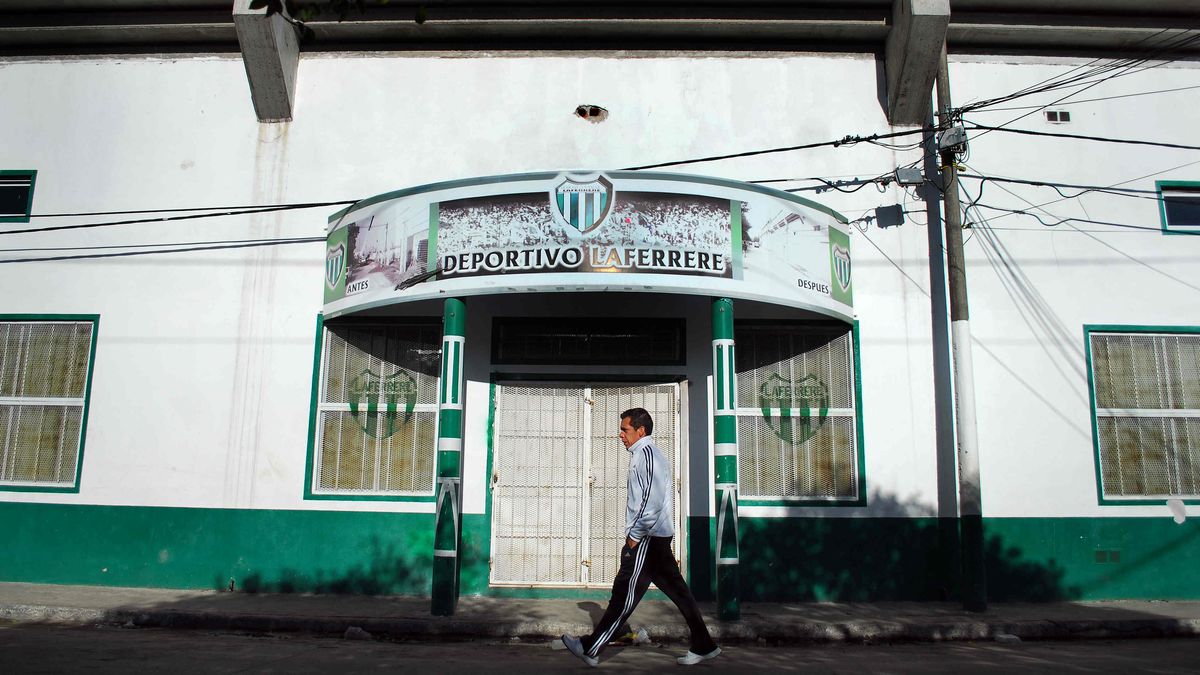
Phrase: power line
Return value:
(1126, 66)
(1073, 229)
(1060, 221)
(305, 205)
(848, 140)
(1112, 187)
(1042, 183)
(31, 249)
(195, 216)
(975, 202)
(854, 176)
(1058, 187)
(1091, 100)
(191, 249)
(1104, 139)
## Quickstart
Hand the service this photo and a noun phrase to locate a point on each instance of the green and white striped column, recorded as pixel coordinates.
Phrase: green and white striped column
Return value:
(447, 510)
(726, 461)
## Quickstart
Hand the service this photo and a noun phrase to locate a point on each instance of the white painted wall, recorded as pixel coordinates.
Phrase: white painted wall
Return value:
(201, 388)
(1028, 308)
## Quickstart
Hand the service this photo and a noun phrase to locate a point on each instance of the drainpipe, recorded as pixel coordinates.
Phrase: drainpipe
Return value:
(970, 500)
(447, 528)
(726, 460)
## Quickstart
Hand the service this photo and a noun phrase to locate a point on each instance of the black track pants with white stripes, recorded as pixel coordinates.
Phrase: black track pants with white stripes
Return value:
(651, 561)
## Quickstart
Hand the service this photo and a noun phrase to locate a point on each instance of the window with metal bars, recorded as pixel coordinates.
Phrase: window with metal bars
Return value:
(376, 413)
(798, 438)
(45, 377)
(1146, 411)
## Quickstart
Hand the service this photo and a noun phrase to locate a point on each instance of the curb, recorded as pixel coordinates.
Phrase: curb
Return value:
(436, 628)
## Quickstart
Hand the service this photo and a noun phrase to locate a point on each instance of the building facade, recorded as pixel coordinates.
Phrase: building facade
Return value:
(296, 368)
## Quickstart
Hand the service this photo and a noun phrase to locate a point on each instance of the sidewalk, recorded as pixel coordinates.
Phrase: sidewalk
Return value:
(403, 617)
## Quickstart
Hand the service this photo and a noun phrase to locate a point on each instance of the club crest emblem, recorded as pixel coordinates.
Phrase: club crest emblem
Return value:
(581, 203)
(779, 399)
(335, 264)
(376, 401)
(841, 267)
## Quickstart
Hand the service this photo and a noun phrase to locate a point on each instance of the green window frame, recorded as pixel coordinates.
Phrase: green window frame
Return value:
(372, 431)
(1144, 392)
(16, 195)
(799, 410)
(46, 365)
(1179, 206)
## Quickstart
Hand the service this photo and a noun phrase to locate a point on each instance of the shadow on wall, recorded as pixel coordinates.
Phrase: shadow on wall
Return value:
(388, 569)
(909, 555)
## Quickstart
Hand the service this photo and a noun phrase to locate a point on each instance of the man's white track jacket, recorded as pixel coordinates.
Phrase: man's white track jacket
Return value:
(648, 510)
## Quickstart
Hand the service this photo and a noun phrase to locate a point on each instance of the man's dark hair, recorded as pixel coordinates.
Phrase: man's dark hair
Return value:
(638, 417)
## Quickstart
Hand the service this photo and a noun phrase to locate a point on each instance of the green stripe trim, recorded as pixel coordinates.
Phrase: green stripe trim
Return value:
(858, 419)
(801, 559)
(722, 319)
(456, 378)
(278, 551)
(724, 429)
(449, 464)
(450, 423)
(726, 469)
(454, 318)
(719, 373)
(731, 376)
(444, 383)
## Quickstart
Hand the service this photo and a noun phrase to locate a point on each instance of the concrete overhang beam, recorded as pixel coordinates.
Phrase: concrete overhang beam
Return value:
(911, 55)
(271, 53)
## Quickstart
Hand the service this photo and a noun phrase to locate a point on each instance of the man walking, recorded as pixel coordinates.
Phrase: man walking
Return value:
(646, 556)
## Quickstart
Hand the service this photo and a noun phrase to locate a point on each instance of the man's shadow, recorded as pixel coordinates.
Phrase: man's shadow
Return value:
(596, 612)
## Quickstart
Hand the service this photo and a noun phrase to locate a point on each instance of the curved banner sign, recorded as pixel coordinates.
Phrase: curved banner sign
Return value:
(572, 231)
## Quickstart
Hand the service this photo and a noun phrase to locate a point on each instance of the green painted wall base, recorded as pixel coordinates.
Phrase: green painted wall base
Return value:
(268, 551)
(1026, 559)
(785, 559)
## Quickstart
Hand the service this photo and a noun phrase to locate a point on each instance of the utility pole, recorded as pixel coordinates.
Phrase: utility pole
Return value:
(970, 518)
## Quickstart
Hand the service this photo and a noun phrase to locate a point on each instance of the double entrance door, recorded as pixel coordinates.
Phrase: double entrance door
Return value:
(558, 484)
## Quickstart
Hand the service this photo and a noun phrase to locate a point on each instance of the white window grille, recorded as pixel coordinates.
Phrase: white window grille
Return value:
(377, 413)
(797, 424)
(1147, 413)
(44, 369)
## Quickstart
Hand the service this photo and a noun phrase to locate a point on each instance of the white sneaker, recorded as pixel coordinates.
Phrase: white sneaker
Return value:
(691, 658)
(574, 646)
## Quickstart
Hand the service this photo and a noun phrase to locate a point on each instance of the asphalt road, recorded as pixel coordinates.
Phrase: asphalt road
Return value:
(26, 648)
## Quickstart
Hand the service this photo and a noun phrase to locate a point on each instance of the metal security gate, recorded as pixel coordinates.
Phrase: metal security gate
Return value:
(558, 480)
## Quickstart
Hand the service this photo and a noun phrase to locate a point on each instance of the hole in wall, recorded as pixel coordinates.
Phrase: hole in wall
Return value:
(592, 113)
